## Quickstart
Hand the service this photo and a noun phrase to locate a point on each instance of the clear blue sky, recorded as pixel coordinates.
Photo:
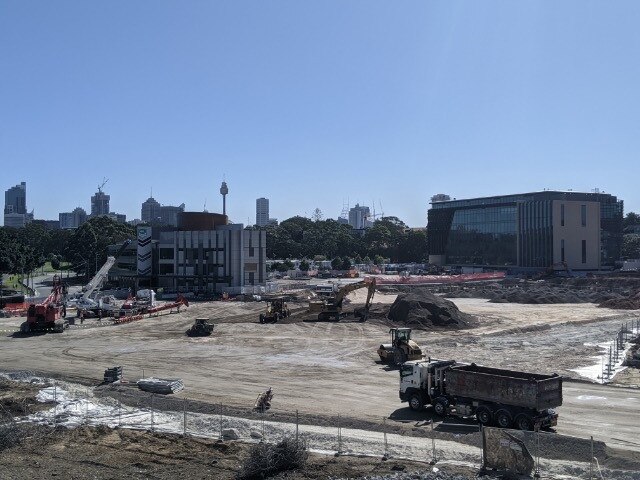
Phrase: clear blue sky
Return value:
(313, 103)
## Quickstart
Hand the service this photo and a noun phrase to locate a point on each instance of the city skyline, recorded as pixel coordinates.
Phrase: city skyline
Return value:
(320, 102)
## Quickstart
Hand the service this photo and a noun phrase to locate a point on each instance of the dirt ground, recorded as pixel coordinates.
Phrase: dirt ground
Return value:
(326, 369)
(103, 453)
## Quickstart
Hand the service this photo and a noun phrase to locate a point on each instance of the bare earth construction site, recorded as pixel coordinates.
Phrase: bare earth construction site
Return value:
(330, 370)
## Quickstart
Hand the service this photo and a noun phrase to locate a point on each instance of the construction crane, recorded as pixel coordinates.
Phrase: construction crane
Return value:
(48, 316)
(104, 181)
(86, 301)
(331, 307)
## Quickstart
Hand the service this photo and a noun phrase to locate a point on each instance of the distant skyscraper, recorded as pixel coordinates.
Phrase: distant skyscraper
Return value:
(100, 203)
(169, 214)
(150, 210)
(15, 206)
(262, 212)
(72, 219)
(359, 217)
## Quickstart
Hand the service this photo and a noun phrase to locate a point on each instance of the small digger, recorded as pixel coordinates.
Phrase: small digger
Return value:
(277, 309)
(263, 402)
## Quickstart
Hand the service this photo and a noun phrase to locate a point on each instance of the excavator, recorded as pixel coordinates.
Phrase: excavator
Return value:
(48, 316)
(330, 308)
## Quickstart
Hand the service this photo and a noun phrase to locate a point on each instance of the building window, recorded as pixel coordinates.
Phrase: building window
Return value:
(583, 215)
(251, 251)
(584, 251)
(562, 250)
(562, 215)
(166, 254)
(166, 269)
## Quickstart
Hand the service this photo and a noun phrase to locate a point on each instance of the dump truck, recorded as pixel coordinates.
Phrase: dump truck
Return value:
(401, 348)
(505, 398)
(200, 328)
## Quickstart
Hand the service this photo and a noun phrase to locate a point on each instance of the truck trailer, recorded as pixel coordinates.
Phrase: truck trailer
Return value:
(505, 398)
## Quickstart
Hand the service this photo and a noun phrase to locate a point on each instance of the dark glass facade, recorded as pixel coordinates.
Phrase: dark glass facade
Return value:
(514, 230)
(483, 236)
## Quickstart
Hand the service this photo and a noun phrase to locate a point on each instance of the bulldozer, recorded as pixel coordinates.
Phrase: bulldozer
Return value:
(330, 308)
(401, 348)
(277, 309)
(200, 328)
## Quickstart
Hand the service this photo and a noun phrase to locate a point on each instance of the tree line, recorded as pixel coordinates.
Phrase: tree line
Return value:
(303, 238)
(23, 250)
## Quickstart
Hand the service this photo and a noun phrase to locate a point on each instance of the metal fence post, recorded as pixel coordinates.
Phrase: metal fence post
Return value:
(220, 412)
(297, 426)
(339, 436)
(591, 461)
(433, 446)
(152, 412)
(184, 418)
(386, 444)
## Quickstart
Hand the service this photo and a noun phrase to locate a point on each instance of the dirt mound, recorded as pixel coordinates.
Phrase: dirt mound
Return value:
(631, 302)
(547, 293)
(423, 309)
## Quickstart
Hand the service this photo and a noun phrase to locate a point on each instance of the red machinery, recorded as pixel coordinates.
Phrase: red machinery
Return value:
(48, 316)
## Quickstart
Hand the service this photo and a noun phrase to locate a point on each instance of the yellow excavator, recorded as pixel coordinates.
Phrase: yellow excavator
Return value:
(331, 308)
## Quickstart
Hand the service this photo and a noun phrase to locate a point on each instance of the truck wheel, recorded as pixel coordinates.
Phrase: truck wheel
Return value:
(440, 407)
(483, 414)
(261, 318)
(503, 419)
(415, 402)
(524, 422)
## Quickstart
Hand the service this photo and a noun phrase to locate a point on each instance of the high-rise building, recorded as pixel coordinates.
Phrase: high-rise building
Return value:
(15, 206)
(262, 212)
(100, 203)
(359, 217)
(169, 214)
(150, 210)
(73, 219)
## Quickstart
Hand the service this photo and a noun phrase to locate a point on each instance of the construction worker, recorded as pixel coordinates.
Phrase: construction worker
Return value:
(81, 317)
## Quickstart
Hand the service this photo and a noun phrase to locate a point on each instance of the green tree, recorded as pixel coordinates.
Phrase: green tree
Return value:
(87, 246)
(631, 246)
(336, 263)
(304, 265)
(631, 219)
(346, 264)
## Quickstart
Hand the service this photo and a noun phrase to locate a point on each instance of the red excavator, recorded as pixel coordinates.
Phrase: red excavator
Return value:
(48, 316)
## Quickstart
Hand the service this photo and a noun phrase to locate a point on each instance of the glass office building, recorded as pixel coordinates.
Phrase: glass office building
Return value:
(514, 230)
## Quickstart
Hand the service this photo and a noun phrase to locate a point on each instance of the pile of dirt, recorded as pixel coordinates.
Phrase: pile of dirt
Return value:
(630, 302)
(421, 308)
(538, 294)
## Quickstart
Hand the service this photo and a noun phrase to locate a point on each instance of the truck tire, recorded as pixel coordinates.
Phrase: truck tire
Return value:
(504, 418)
(484, 416)
(440, 407)
(415, 402)
(524, 422)
(261, 318)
